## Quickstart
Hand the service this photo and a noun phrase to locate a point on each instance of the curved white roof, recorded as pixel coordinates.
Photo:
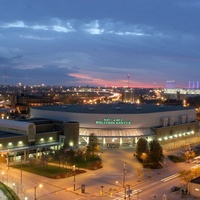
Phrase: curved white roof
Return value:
(116, 132)
(15, 124)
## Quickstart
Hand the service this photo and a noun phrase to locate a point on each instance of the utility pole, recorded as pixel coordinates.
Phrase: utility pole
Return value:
(124, 175)
(5, 77)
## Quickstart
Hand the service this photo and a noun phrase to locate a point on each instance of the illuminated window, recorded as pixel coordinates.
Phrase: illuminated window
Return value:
(20, 143)
(71, 144)
(10, 144)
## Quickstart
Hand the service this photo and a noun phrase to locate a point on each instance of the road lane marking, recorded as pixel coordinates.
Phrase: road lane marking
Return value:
(170, 177)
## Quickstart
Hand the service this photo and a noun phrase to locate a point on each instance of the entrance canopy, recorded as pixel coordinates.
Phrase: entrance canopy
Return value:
(116, 132)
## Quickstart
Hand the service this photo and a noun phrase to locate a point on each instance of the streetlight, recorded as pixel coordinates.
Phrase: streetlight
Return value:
(21, 170)
(124, 175)
(8, 159)
(74, 169)
(2, 176)
(102, 190)
(13, 185)
(125, 191)
(129, 192)
(35, 188)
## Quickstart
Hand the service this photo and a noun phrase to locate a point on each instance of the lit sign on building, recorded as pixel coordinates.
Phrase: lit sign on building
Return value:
(116, 121)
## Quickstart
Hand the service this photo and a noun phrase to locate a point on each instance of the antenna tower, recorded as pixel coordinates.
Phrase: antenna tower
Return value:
(128, 76)
(5, 76)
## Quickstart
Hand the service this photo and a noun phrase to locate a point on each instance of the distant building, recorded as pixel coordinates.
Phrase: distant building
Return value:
(180, 93)
(23, 102)
(5, 113)
(194, 187)
(128, 95)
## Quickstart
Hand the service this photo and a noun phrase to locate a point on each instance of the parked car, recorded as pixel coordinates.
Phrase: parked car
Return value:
(175, 188)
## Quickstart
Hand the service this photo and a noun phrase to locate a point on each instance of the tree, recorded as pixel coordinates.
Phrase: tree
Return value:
(189, 154)
(186, 176)
(142, 147)
(144, 157)
(44, 159)
(195, 171)
(155, 152)
(93, 145)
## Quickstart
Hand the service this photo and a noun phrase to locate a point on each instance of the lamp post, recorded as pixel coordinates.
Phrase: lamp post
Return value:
(35, 190)
(2, 176)
(125, 192)
(8, 159)
(74, 168)
(21, 171)
(102, 190)
(13, 185)
(129, 192)
(124, 175)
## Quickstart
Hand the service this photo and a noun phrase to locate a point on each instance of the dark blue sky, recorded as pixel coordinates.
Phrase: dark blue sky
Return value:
(100, 42)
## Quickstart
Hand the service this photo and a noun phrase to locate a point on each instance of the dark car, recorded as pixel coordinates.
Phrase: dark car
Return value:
(175, 188)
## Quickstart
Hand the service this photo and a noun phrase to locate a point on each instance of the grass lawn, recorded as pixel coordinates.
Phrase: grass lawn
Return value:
(49, 171)
(8, 192)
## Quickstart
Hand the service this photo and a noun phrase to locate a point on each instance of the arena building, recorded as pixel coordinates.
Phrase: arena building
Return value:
(122, 124)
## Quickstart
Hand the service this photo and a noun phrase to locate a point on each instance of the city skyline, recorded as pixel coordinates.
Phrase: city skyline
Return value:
(99, 43)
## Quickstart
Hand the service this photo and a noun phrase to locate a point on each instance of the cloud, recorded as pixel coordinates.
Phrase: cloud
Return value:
(100, 42)
(48, 74)
(93, 28)
(35, 37)
(57, 26)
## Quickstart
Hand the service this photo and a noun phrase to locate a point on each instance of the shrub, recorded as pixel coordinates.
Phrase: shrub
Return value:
(176, 159)
(153, 166)
(94, 165)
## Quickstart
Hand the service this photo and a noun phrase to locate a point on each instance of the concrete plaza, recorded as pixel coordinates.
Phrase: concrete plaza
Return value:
(119, 165)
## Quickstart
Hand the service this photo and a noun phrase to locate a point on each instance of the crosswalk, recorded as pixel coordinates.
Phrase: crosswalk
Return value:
(133, 195)
(170, 177)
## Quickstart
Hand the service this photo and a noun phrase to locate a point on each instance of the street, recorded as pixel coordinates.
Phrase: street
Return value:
(105, 183)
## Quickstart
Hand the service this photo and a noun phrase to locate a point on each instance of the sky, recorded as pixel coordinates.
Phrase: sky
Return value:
(136, 43)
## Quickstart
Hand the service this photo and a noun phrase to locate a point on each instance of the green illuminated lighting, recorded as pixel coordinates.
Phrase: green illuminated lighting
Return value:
(115, 121)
